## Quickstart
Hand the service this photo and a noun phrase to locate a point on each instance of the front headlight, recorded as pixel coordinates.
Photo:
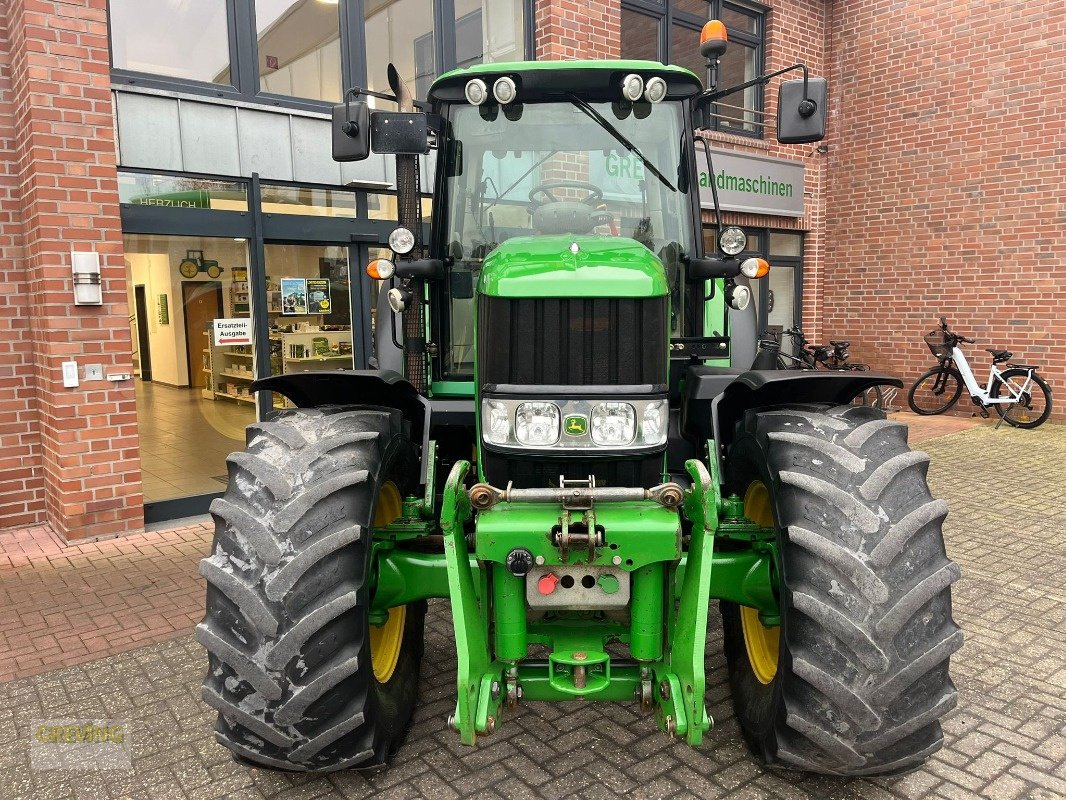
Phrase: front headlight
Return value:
(537, 424)
(497, 422)
(402, 241)
(732, 241)
(653, 423)
(613, 424)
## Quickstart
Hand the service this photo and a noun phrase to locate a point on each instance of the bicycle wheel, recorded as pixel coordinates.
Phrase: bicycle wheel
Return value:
(1035, 405)
(872, 397)
(936, 391)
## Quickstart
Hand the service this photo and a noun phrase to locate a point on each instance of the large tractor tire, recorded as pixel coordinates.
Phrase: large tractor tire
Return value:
(301, 678)
(855, 679)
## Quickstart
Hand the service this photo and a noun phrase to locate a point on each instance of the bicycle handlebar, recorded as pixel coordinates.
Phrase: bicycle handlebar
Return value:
(958, 336)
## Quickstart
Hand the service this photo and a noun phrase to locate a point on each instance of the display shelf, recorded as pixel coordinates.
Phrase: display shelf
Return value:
(346, 357)
(236, 397)
(246, 376)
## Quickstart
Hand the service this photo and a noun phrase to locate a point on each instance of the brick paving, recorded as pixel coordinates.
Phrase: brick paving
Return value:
(1007, 739)
(64, 604)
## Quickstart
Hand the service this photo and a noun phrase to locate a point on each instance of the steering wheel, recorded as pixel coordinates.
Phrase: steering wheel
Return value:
(545, 189)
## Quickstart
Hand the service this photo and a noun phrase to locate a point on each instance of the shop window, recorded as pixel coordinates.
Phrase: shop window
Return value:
(192, 376)
(489, 31)
(294, 48)
(383, 206)
(309, 308)
(788, 245)
(740, 113)
(299, 51)
(307, 201)
(180, 191)
(186, 39)
(400, 32)
(640, 36)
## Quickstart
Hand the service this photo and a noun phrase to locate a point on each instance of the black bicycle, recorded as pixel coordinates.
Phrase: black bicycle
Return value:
(834, 356)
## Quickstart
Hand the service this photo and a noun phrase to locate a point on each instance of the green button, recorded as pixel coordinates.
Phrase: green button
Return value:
(609, 583)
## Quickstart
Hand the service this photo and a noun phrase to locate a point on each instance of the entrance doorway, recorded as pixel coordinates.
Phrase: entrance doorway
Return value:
(294, 271)
(201, 302)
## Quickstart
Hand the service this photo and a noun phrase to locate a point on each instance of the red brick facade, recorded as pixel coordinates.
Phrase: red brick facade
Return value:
(68, 457)
(947, 181)
(942, 192)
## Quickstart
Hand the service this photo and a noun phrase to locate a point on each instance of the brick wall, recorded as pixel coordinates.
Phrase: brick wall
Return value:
(946, 179)
(573, 29)
(56, 121)
(21, 473)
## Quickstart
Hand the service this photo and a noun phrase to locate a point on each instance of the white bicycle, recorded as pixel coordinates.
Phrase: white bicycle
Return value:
(1018, 394)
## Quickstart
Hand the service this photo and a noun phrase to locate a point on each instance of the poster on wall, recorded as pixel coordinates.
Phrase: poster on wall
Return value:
(318, 296)
(293, 296)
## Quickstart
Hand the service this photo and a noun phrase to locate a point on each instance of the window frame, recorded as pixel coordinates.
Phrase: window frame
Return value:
(244, 55)
(663, 12)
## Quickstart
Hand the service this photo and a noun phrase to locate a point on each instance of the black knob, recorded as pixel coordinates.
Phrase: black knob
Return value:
(519, 561)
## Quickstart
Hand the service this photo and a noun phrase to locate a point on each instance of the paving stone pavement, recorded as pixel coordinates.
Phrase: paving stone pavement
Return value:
(1007, 738)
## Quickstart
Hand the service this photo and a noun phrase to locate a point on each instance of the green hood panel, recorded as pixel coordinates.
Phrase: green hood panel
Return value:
(545, 266)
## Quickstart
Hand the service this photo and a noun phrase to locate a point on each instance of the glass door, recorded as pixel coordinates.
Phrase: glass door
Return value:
(310, 294)
(193, 398)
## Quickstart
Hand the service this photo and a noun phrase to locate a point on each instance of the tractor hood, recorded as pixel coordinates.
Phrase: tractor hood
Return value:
(572, 266)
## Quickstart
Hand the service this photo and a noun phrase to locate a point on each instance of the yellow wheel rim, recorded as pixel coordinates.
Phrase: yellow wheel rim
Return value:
(387, 639)
(761, 643)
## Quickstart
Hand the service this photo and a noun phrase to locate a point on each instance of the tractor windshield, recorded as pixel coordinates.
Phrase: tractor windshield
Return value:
(561, 167)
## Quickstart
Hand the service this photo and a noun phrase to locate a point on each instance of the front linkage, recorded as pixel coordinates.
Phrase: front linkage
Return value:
(627, 549)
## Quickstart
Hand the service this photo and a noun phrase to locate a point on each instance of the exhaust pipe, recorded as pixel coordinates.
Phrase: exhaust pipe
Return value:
(409, 215)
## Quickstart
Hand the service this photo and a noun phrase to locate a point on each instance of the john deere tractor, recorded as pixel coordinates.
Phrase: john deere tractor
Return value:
(563, 437)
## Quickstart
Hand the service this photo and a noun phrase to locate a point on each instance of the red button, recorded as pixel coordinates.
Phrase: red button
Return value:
(546, 585)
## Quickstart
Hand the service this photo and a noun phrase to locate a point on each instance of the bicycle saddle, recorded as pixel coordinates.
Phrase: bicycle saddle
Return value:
(999, 356)
(839, 344)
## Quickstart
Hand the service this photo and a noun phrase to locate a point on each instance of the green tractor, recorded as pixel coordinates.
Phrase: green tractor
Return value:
(564, 438)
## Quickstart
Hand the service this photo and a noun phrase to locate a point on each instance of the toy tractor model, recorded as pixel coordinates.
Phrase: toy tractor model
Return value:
(194, 263)
(563, 437)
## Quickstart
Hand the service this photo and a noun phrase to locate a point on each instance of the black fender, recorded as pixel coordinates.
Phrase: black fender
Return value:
(715, 402)
(356, 387)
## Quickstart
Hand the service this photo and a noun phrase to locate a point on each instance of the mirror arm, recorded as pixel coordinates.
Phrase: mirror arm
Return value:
(807, 107)
(357, 91)
(714, 189)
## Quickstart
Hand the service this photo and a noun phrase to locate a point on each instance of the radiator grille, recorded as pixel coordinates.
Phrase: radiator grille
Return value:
(572, 341)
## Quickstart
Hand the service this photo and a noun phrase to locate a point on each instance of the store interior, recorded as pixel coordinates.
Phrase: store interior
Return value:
(193, 397)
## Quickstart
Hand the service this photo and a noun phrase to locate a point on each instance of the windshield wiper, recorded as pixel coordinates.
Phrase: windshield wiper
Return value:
(620, 137)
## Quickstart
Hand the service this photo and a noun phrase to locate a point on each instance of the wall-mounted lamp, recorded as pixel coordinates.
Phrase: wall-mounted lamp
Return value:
(86, 269)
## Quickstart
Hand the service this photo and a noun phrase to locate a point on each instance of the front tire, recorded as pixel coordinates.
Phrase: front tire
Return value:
(935, 391)
(855, 679)
(301, 678)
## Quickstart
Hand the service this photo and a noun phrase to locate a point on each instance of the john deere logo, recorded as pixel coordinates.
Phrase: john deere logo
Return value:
(575, 425)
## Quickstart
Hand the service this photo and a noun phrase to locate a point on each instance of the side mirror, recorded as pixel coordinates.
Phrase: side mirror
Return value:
(351, 131)
(705, 269)
(400, 132)
(801, 119)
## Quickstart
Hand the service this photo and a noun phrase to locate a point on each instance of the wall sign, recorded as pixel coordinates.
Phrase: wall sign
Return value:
(233, 331)
(164, 309)
(752, 184)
